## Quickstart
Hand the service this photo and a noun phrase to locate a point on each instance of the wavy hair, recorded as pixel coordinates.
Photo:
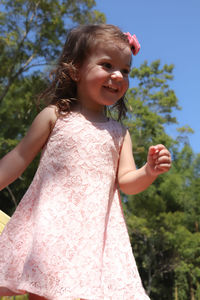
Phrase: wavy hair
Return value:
(79, 44)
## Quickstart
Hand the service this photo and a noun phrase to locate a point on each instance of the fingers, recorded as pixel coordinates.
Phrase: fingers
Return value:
(153, 150)
(157, 148)
(160, 158)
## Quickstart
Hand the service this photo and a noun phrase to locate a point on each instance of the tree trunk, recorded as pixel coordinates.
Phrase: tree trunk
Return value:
(176, 293)
(191, 294)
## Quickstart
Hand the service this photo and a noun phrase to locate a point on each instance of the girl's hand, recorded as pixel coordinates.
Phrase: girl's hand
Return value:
(158, 160)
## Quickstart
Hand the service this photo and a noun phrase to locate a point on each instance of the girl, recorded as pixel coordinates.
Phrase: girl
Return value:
(68, 238)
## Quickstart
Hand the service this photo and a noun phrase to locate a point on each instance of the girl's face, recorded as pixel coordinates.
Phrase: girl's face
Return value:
(103, 77)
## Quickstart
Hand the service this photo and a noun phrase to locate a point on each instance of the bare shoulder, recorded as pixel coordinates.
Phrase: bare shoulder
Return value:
(124, 130)
(16, 161)
(48, 115)
(39, 131)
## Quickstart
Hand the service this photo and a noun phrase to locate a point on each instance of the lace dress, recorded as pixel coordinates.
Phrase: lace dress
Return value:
(68, 239)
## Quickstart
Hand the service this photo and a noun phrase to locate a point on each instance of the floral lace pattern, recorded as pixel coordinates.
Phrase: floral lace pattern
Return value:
(68, 239)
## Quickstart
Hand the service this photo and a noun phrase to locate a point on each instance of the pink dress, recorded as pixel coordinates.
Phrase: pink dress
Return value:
(68, 238)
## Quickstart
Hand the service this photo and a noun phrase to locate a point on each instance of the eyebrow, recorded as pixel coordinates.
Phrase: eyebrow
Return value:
(110, 58)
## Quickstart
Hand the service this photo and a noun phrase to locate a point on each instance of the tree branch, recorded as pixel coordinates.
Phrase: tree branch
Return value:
(11, 77)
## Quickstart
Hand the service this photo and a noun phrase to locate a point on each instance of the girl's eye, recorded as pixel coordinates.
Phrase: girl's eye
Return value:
(107, 65)
(125, 71)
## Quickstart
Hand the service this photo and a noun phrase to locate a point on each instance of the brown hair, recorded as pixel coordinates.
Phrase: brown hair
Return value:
(79, 44)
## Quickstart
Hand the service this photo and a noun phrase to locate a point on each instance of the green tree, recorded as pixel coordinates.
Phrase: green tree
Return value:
(32, 33)
(163, 221)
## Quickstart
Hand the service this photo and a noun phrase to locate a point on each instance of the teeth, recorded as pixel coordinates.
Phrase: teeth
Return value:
(111, 88)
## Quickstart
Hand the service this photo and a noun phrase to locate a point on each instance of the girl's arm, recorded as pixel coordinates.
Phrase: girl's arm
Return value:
(15, 162)
(133, 181)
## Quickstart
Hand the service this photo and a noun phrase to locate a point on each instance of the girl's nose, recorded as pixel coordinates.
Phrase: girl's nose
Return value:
(117, 75)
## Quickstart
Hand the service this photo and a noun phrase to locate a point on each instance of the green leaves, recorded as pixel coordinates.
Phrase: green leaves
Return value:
(32, 33)
(151, 105)
(164, 220)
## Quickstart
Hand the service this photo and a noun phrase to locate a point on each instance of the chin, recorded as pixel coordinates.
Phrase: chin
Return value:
(110, 102)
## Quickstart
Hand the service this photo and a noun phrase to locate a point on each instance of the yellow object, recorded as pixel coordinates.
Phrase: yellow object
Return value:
(3, 220)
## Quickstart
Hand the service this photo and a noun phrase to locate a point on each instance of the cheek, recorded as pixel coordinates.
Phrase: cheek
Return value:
(126, 84)
(95, 76)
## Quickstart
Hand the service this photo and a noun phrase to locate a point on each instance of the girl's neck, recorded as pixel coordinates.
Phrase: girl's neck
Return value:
(91, 114)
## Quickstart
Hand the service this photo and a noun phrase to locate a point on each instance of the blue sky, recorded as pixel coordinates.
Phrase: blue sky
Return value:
(169, 31)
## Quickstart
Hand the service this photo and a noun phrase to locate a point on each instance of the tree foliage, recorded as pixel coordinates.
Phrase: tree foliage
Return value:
(163, 221)
(32, 33)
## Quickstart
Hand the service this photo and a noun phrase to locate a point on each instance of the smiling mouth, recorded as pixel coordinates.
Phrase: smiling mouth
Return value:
(111, 89)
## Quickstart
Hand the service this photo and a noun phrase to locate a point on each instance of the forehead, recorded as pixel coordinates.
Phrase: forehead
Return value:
(119, 52)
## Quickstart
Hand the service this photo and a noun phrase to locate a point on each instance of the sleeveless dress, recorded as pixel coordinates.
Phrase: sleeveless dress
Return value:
(67, 238)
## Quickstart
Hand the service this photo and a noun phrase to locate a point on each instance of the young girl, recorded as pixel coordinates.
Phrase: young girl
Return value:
(68, 238)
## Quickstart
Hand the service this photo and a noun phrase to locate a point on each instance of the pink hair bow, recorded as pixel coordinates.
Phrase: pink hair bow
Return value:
(133, 42)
